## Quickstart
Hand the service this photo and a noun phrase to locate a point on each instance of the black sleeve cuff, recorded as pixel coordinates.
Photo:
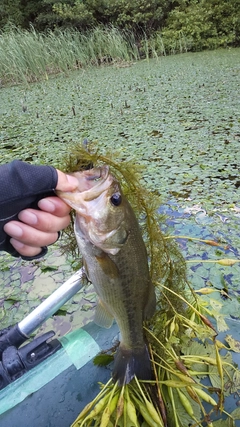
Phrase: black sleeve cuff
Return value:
(31, 258)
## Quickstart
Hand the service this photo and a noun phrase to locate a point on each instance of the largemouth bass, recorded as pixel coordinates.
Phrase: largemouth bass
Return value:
(115, 261)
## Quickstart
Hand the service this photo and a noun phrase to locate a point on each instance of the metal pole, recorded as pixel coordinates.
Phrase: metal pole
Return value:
(51, 304)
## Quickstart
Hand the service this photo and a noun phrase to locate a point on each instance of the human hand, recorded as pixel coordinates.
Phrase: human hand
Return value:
(38, 228)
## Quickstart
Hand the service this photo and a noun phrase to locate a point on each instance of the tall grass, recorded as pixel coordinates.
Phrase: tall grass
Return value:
(23, 56)
(27, 56)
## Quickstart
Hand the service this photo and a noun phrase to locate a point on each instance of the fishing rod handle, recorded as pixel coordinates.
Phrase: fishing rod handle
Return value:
(51, 304)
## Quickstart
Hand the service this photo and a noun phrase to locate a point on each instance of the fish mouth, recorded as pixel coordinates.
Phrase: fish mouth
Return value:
(96, 174)
(94, 177)
(90, 197)
(94, 182)
(91, 180)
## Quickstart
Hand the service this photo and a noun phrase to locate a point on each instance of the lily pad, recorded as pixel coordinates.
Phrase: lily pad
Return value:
(177, 118)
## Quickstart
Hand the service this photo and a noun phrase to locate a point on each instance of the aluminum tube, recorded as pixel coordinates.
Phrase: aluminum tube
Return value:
(51, 304)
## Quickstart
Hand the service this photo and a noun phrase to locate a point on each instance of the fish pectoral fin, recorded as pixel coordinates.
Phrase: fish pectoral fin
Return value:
(102, 316)
(107, 265)
(150, 307)
(85, 268)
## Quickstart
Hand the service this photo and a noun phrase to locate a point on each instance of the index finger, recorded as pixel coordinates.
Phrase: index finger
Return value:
(54, 205)
(66, 182)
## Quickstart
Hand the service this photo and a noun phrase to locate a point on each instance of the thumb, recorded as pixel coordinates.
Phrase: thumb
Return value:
(66, 182)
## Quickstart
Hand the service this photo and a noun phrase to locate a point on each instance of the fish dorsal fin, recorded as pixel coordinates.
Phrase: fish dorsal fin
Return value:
(150, 307)
(102, 316)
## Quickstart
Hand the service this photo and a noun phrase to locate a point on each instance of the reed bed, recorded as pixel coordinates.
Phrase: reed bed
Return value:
(28, 56)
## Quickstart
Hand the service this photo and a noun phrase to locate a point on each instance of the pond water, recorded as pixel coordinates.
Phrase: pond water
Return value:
(179, 118)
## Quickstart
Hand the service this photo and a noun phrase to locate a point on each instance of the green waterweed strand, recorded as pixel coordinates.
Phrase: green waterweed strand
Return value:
(177, 319)
(170, 393)
(149, 406)
(102, 396)
(110, 408)
(145, 413)
(166, 262)
(131, 409)
(120, 405)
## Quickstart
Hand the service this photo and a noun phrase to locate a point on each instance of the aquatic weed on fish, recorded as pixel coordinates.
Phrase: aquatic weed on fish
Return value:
(183, 344)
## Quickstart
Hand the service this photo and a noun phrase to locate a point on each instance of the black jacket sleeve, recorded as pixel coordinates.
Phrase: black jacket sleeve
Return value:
(22, 185)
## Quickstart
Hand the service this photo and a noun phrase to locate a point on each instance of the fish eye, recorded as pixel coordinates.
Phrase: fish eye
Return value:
(116, 199)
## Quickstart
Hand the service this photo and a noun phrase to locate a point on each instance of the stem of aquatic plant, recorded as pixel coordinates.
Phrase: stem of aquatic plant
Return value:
(208, 242)
(225, 261)
(202, 317)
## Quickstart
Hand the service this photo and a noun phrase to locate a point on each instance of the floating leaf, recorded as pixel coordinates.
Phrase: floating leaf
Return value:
(189, 167)
(233, 344)
(61, 311)
(236, 414)
(46, 268)
(221, 323)
(224, 423)
(236, 382)
(103, 359)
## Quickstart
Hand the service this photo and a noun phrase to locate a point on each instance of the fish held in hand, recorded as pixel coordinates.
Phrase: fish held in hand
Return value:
(115, 261)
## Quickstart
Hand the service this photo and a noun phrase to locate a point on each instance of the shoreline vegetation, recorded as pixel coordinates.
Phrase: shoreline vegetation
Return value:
(28, 56)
